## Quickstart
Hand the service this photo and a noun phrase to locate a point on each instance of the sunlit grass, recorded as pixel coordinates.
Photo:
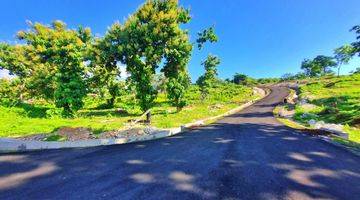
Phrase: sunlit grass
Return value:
(337, 99)
(32, 119)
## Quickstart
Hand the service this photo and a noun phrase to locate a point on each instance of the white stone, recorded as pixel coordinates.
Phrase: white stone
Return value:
(303, 101)
(312, 122)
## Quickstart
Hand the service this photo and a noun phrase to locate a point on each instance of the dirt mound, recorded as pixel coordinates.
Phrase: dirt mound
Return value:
(73, 134)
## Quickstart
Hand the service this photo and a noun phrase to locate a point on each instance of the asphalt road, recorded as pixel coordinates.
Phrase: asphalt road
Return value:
(248, 155)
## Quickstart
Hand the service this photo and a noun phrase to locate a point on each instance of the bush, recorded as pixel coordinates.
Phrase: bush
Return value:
(54, 113)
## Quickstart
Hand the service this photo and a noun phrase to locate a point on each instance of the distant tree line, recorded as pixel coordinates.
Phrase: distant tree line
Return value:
(324, 65)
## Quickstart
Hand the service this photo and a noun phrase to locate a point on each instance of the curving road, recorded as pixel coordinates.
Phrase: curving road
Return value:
(248, 155)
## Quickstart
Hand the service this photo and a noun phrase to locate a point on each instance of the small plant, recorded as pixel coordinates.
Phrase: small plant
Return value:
(54, 113)
(55, 138)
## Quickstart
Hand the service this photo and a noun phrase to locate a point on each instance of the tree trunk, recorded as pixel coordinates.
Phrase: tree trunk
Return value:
(22, 86)
(111, 102)
(67, 110)
(339, 70)
(148, 117)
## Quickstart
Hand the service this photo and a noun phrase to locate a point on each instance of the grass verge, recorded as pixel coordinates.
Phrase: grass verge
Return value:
(28, 119)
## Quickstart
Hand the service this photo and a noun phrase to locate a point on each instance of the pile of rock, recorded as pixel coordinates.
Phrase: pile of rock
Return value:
(80, 133)
(74, 134)
(133, 132)
(336, 129)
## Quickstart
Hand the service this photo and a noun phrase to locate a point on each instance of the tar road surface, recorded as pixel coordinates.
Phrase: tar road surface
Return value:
(249, 155)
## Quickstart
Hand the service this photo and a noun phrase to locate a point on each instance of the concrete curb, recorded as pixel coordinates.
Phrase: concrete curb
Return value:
(16, 145)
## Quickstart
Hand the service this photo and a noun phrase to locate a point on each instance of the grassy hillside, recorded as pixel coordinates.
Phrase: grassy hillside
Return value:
(27, 119)
(336, 100)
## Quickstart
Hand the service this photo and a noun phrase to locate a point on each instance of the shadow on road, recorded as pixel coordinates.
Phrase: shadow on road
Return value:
(208, 162)
(244, 156)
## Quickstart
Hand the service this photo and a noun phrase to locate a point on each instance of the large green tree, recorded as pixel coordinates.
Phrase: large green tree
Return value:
(207, 81)
(65, 49)
(13, 58)
(242, 79)
(103, 66)
(152, 36)
(320, 65)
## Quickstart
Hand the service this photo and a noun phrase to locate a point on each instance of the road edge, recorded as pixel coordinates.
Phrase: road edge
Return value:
(8, 145)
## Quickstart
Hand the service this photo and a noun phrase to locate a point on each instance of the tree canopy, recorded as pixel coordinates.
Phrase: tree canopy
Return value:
(207, 35)
(320, 65)
(343, 55)
(356, 44)
(60, 51)
(153, 35)
(210, 75)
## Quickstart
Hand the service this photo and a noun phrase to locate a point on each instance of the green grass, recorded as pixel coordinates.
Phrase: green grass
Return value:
(53, 138)
(26, 119)
(287, 122)
(348, 143)
(336, 100)
(354, 134)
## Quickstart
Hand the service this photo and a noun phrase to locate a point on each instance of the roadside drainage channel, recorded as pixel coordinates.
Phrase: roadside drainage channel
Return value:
(16, 145)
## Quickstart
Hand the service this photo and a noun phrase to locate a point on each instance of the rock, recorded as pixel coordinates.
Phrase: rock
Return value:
(108, 135)
(73, 134)
(319, 124)
(303, 101)
(332, 128)
(37, 137)
(133, 132)
(149, 130)
(308, 115)
(312, 122)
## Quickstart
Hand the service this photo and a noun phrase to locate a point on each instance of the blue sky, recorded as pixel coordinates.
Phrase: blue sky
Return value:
(260, 38)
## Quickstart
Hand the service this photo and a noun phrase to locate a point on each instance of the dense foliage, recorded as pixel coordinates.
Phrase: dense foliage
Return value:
(61, 51)
(40, 117)
(150, 35)
(62, 65)
(320, 65)
(242, 79)
(356, 44)
(207, 35)
(343, 55)
(208, 80)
